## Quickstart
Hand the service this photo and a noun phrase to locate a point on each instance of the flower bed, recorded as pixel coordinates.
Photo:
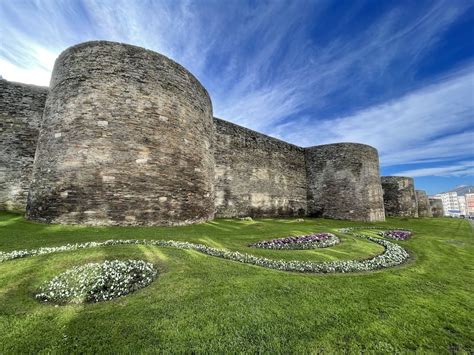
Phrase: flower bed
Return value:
(97, 282)
(392, 256)
(397, 234)
(311, 241)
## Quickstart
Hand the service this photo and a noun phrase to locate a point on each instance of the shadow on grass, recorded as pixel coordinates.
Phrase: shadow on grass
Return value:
(46, 326)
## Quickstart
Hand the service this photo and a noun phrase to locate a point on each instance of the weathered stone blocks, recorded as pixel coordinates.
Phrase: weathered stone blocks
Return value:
(126, 140)
(424, 209)
(21, 109)
(436, 206)
(399, 196)
(257, 175)
(344, 182)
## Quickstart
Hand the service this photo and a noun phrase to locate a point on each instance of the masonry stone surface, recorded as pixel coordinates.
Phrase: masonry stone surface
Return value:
(257, 175)
(126, 140)
(424, 209)
(436, 206)
(21, 109)
(344, 182)
(399, 196)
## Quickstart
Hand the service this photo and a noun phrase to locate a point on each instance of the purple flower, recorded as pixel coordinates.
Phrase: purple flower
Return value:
(316, 240)
(397, 234)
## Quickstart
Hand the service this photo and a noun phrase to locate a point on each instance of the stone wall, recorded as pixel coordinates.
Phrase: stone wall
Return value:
(257, 175)
(128, 138)
(125, 140)
(344, 182)
(399, 196)
(436, 206)
(21, 110)
(424, 209)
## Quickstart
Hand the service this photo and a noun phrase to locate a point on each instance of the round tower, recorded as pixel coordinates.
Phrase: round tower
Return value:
(399, 196)
(436, 206)
(344, 182)
(125, 140)
(424, 208)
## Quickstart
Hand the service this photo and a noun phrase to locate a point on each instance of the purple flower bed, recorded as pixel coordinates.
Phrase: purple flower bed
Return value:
(311, 241)
(397, 234)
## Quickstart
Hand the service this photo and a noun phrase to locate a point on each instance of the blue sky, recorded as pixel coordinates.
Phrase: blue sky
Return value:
(398, 75)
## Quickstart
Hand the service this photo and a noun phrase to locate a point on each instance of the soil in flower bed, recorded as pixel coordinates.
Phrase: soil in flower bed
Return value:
(310, 241)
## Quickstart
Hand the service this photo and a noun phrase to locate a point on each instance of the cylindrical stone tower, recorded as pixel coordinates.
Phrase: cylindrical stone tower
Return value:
(437, 209)
(399, 196)
(344, 182)
(125, 140)
(21, 110)
(424, 209)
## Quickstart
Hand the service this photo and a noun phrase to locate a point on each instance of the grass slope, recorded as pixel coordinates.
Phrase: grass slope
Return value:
(206, 304)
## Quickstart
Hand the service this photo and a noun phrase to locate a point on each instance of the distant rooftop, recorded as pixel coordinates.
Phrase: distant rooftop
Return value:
(461, 190)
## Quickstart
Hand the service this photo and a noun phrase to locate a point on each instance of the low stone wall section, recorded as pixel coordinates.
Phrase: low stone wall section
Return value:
(21, 111)
(257, 175)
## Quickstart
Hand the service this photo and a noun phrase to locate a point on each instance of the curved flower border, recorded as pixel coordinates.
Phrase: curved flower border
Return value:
(393, 255)
(310, 241)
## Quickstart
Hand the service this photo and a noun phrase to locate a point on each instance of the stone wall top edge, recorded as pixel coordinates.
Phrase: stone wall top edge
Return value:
(95, 43)
(276, 140)
(342, 144)
(395, 177)
(251, 131)
(30, 86)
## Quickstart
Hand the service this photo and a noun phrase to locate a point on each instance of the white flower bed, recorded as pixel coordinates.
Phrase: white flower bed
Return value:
(349, 230)
(97, 282)
(392, 256)
(310, 241)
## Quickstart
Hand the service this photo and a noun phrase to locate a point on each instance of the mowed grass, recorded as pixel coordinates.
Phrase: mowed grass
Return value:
(204, 304)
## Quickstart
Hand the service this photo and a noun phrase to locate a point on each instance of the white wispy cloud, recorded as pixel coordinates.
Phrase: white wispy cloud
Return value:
(277, 67)
(320, 76)
(461, 169)
(435, 123)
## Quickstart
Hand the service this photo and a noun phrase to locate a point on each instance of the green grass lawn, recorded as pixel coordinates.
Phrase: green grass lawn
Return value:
(206, 304)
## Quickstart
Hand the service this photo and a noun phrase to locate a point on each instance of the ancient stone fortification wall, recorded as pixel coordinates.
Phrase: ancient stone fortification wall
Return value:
(399, 196)
(344, 182)
(257, 175)
(436, 206)
(125, 140)
(424, 209)
(21, 109)
(128, 138)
